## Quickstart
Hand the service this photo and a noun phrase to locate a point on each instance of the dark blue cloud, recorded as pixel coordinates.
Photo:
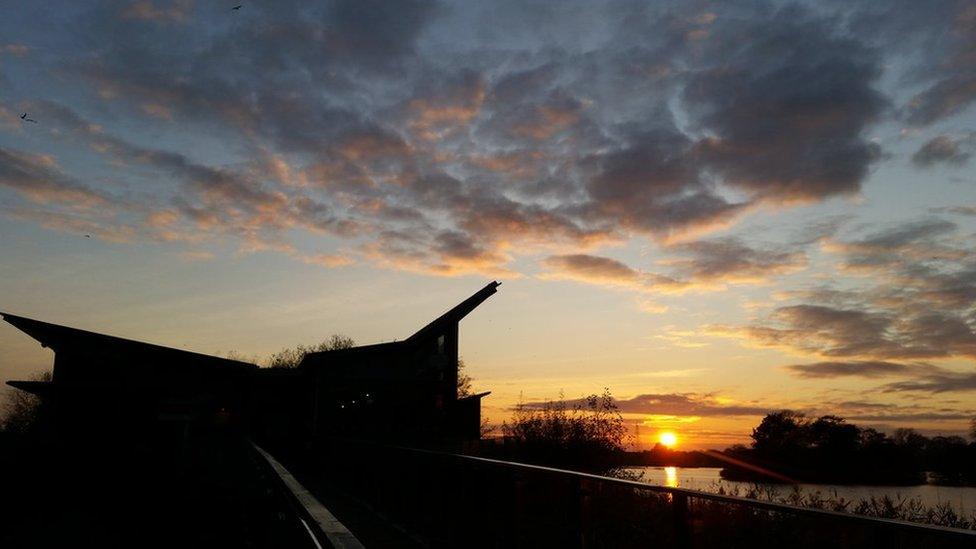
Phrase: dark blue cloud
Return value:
(487, 128)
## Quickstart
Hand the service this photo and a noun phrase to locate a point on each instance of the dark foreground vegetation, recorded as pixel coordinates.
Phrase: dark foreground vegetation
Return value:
(886, 507)
(830, 450)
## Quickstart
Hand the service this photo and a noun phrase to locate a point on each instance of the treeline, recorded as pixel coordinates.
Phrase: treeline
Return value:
(828, 449)
(662, 456)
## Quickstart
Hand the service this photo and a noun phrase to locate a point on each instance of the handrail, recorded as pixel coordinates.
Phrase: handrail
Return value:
(736, 500)
(319, 522)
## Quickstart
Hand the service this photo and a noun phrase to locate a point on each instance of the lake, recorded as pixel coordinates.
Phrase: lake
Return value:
(707, 479)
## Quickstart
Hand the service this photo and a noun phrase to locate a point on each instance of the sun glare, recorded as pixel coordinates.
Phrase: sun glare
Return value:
(668, 439)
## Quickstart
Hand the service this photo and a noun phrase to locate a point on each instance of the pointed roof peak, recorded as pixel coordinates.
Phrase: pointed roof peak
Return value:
(458, 312)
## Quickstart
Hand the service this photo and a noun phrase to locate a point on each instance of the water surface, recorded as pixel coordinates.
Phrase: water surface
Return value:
(707, 479)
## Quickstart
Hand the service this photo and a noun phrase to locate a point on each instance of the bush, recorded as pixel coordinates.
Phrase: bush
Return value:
(587, 436)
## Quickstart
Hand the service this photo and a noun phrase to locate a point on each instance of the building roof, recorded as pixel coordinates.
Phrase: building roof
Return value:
(39, 388)
(455, 315)
(59, 337)
(387, 346)
(459, 311)
(476, 396)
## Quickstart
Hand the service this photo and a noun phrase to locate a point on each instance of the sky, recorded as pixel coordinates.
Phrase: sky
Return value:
(712, 209)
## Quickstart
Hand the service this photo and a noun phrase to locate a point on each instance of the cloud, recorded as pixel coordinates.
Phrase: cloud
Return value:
(916, 240)
(18, 50)
(859, 333)
(876, 412)
(794, 76)
(442, 254)
(944, 149)
(958, 210)
(916, 302)
(676, 404)
(686, 404)
(39, 179)
(702, 265)
(946, 97)
(937, 382)
(730, 260)
(439, 113)
(436, 139)
(147, 10)
(210, 202)
(326, 260)
(859, 368)
(652, 184)
(105, 227)
(591, 269)
(941, 35)
(376, 31)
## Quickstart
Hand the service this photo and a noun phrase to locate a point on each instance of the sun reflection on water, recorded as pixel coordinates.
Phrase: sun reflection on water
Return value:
(671, 477)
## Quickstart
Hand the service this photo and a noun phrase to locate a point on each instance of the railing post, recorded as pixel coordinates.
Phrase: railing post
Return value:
(518, 525)
(682, 529)
(583, 489)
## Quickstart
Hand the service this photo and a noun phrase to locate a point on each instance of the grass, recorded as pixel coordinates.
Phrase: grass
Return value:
(911, 509)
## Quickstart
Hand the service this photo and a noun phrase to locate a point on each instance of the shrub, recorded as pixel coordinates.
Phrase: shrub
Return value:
(586, 434)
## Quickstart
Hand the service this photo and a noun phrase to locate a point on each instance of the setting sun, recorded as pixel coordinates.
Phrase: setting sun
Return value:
(668, 439)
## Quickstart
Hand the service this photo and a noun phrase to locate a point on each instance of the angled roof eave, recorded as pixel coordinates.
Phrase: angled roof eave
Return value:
(476, 396)
(458, 312)
(39, 388)
(317, 355)
(56, 335)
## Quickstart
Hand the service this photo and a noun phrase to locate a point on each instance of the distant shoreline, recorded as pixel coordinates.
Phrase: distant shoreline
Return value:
(726, 473)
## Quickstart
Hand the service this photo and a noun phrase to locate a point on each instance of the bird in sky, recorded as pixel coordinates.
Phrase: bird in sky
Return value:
(25, 119)
(237, 7)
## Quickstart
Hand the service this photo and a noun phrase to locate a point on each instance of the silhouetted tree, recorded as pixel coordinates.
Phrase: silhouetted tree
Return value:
(910, 442)
(464, 380)
(833, 436)
(781, 434)
(872, 437)
(828, 449)
(292, 357)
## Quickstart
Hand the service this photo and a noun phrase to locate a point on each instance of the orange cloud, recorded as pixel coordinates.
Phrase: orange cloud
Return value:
(146, 10)
(18, 50)
(158, 110)
(326, 260)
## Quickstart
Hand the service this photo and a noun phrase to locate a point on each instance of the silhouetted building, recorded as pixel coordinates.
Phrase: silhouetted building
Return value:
(404, 390)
